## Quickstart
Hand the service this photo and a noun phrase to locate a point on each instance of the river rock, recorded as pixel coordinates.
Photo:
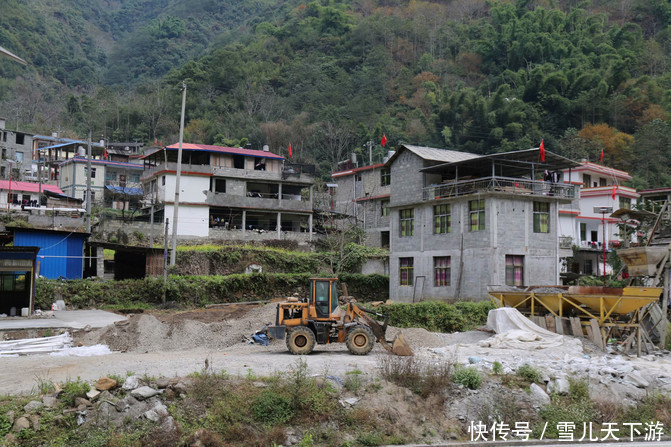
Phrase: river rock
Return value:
(49, 401)
(21, 423)
(131, 383)
(637, 379)
(144, 392)
(538, 394)
(105, 383)
(559, 386)
(32, 406)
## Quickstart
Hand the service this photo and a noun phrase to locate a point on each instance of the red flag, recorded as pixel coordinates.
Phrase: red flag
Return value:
(614, 192)
(105, 153)
(155, 142)
(384, 140)
(290, 153)
(601, 157)
(542, 150)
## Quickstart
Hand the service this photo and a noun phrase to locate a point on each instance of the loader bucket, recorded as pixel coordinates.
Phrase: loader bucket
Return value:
(401, 347)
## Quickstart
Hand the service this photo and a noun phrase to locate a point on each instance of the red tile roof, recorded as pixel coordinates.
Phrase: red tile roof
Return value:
(28, 187)
(226, 150)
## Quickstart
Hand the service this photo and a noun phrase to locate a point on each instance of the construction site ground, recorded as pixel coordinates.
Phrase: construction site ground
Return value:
(174, 343)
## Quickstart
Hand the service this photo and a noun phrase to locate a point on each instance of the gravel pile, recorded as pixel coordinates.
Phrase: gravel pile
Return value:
(146, 333)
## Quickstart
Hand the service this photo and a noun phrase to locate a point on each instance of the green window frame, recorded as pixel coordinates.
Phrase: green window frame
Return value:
(407, 222)
(541, 217)
(476, 210)
(385, 208)
(385, 177)
(406, 267)
(442, 219)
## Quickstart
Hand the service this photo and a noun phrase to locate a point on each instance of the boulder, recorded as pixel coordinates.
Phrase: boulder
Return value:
(559, 386)
(637, 379)
(105, 383)
(163, 382)
(538, 394)
(79, 401)
(144, 392)
(131, 383)
(49, 401)
(92, 394)
(32, 406)
(179, 388)
(34, 421)
(21, 423)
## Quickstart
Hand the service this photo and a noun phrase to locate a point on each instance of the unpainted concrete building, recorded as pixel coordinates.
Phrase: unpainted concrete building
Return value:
(458, 227)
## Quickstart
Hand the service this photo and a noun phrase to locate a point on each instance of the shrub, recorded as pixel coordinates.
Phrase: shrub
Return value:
(497, 367)
(529, 373)
(72, 390)
(272, 408)
(420, 378)
(438, 316)
(193, 290)
(468, 377)
(5, 425)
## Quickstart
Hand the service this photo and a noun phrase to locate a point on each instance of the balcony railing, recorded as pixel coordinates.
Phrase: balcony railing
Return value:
(296, 169)
(499, 185)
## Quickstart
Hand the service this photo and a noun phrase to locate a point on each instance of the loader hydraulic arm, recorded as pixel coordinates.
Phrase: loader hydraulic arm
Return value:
(378, 329)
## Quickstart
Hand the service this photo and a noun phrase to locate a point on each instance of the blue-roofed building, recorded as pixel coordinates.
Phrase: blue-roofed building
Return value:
(61, 253)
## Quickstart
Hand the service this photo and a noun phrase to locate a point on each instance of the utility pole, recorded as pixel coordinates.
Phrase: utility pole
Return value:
(165, 259)
(88, 185)
(39, 175)
(179, 173)
(370, 153)
(151, 216)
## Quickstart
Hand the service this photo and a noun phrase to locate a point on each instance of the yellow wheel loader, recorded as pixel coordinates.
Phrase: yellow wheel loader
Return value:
(319, 319)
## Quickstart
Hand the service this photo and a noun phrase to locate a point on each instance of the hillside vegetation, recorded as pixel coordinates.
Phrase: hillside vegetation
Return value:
(327, 76)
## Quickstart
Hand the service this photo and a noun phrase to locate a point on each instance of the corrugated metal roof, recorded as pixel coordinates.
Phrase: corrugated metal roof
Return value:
(226, 150)
(29, 187)
(444, 155)
(120, 164)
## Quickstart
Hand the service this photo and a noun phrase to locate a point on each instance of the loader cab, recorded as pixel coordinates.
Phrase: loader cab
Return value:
(324, 296)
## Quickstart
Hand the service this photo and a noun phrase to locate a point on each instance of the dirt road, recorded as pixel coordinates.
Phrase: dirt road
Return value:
(22, 374)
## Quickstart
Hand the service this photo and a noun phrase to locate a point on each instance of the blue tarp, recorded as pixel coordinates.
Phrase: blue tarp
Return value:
(125, 190)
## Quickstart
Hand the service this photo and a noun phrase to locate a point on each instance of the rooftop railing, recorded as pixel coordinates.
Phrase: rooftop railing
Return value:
(502, 185)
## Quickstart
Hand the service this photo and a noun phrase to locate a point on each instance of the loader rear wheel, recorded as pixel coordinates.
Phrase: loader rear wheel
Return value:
(360, 340)
(301, 340)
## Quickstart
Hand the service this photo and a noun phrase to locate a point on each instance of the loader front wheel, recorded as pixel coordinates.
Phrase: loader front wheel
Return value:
(301, 341)
(360, 340)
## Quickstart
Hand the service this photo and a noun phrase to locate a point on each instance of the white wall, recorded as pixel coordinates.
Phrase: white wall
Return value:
(192, 220)
(191, 189)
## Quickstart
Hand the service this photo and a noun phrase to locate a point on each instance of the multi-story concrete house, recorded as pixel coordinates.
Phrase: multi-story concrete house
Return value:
(106, 176)
(583, 225)
(231, 193)
(364, 192)
(472, 221)
(16, 148)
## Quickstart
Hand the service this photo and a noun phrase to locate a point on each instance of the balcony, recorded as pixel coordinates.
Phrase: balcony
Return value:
(499, 185)
(258, 201)
(301, 173)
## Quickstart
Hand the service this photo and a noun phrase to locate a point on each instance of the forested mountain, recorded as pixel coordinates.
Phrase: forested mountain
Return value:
(329, 75)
